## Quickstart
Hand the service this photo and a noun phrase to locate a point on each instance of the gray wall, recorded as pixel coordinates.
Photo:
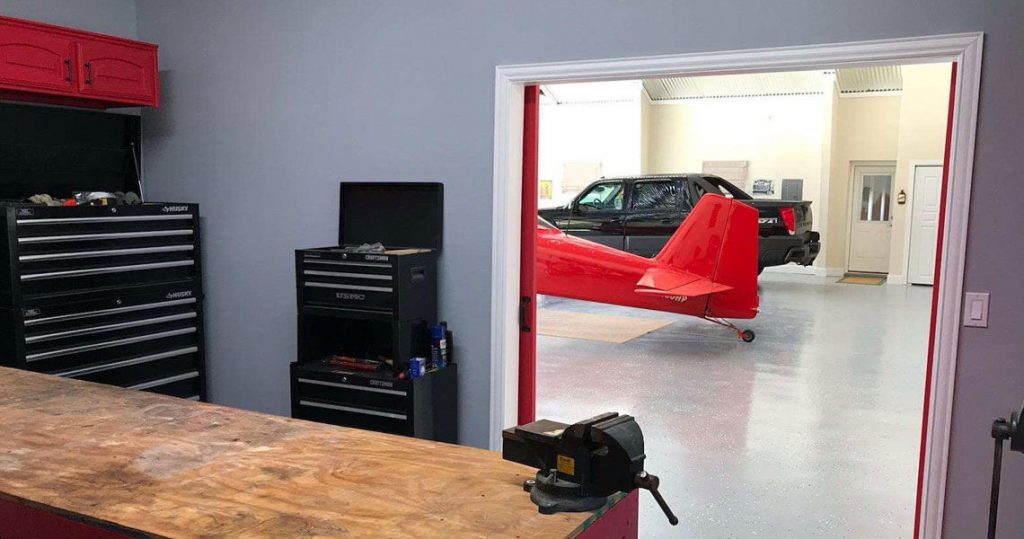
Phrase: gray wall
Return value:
(269, 104)
(116, 17)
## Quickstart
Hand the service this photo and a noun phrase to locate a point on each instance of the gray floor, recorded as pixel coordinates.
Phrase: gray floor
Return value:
(812, 430)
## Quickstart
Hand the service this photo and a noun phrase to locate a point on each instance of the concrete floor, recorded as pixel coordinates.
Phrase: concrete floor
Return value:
(812, 430)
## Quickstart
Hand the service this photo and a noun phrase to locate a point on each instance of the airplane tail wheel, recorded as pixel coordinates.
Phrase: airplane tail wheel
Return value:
(747, 335)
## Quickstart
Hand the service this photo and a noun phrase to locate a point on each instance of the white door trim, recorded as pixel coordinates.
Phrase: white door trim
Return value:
(965, 49)
(853, 202)
(909, 221)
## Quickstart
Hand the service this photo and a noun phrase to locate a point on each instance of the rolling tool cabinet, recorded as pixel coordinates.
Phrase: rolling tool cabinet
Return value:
(109, 294)
(374, 305)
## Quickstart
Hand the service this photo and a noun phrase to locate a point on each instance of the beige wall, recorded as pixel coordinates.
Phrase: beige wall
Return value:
(922, 139)
(604, 137)
(780, 136)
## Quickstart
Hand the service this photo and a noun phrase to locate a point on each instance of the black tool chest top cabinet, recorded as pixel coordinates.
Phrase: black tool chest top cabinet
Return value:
(110, 294)
(375, 305)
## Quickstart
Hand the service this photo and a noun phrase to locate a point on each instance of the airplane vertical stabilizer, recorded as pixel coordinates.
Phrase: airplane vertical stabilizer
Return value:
(719, 241)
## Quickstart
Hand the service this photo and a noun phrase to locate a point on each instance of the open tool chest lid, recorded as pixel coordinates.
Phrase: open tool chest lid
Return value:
(58, 151)
(396, 214)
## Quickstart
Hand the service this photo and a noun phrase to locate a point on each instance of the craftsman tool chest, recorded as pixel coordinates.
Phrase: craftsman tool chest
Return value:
(110, 294)
(402, 281)
(374, 297)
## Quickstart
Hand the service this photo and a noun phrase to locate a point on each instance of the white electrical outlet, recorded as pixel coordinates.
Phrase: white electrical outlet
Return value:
(976, 309)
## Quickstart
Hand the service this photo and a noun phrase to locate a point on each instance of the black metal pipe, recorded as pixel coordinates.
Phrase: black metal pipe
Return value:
(993, 507)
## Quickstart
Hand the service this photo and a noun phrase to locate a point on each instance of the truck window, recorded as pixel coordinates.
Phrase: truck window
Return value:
(660, 195)
(603, 196)
(722, 187)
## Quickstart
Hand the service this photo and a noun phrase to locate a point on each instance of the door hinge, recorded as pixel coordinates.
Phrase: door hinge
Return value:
(524, 305)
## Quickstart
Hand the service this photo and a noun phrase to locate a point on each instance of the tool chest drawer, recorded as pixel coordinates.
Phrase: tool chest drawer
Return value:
(108, 294)
(55, 251)
(424, 407)
(354, 417)
(354, 390)
(400, 281)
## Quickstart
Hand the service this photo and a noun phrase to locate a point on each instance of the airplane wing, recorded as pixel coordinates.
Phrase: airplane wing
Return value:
(664, 281)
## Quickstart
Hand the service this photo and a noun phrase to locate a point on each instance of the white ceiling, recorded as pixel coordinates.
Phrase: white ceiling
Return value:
(849, 81)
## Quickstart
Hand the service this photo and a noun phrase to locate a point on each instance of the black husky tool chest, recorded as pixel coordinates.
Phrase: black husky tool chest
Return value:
(374, 304)
(110, 294)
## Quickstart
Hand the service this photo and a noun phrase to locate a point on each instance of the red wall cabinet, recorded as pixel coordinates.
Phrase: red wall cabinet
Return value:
(52, 64)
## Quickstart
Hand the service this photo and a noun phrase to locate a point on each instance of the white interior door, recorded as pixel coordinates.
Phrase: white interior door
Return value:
(871, 219)
(924, 224)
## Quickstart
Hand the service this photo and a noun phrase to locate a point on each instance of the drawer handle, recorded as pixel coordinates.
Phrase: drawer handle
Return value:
(401, 417)
(343, 263)
(111, 269)
(124, 219)
(165, 381)
(109, 236)
(108, 327)
(107, 344)
(349, 275)
(88, 73)
(67, 69)
(108, 252)
(350, 287)
(127, 363)
(104, 312)
(354, 387)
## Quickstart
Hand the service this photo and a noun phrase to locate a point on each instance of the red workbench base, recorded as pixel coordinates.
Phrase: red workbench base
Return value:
(19, 521)
(619, 522)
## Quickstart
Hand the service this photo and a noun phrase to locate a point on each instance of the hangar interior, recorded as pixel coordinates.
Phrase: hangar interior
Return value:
(262, 268)
(831, 390)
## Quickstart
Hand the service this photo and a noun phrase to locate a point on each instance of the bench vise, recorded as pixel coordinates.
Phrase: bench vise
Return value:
(581, 465)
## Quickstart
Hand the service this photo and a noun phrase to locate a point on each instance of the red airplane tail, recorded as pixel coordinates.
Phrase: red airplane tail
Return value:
(718, 241)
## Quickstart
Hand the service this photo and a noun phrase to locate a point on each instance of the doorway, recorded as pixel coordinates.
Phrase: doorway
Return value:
(871, 219)
(963, 49)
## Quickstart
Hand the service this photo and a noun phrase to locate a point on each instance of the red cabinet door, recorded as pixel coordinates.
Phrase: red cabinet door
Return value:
(117, 72)
(35, 60)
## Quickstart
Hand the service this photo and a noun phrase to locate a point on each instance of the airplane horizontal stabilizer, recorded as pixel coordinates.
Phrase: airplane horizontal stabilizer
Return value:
(670, 282)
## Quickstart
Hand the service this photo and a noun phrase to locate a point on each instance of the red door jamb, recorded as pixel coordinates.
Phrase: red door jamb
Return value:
(527, 257)
(935, 306)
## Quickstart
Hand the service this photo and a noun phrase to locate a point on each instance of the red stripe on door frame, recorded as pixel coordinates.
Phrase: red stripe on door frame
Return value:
(527, 257)
(935, 306)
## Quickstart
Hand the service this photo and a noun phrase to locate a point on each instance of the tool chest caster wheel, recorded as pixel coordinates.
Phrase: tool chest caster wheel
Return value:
(747, 335)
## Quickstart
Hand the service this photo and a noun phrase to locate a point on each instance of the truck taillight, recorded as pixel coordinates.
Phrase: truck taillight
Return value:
(789, 219)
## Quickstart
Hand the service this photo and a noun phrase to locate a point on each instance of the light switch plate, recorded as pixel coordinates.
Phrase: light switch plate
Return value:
(976, 309)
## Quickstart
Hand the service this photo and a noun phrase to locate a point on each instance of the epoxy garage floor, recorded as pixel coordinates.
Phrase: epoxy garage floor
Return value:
(812, 430)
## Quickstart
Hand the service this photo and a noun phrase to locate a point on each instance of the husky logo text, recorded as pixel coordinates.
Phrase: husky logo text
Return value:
(182, 294)
(350, 295)
(173, 209)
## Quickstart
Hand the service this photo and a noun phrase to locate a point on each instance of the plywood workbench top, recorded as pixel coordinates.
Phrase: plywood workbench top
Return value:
(166, 467)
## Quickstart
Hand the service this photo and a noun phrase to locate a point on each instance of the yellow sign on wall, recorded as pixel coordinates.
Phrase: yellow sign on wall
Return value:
(546, 189)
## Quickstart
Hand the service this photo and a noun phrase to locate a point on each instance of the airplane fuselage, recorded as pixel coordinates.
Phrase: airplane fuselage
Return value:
(575, 268)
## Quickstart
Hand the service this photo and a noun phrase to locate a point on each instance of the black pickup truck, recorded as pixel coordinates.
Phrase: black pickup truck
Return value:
(639, 213)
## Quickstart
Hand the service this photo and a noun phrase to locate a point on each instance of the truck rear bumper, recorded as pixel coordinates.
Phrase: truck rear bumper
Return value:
(779, 250)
